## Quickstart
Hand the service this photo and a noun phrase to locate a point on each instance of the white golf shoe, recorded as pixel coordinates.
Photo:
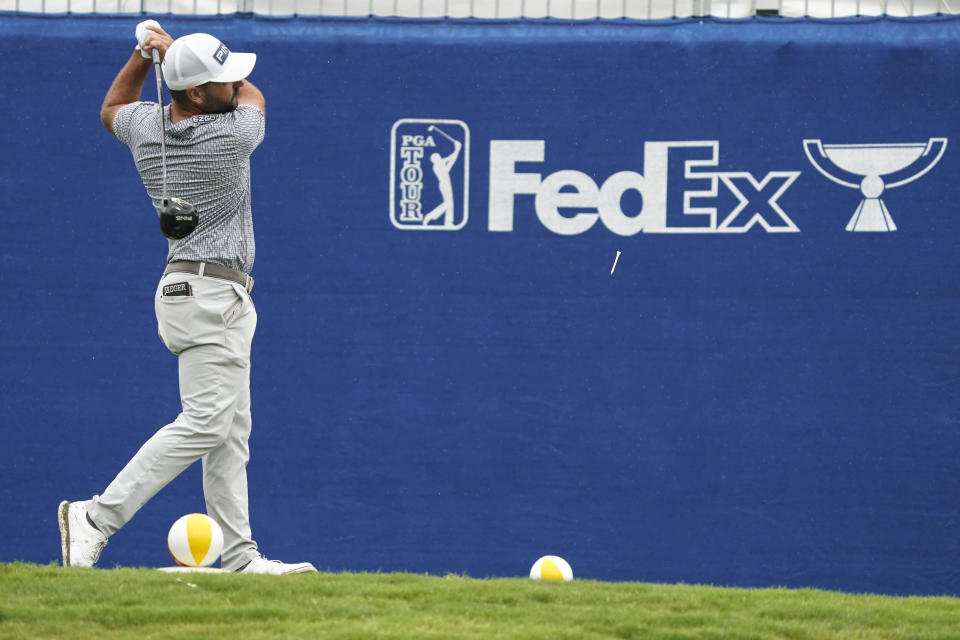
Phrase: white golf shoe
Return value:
(276, 568)
(80, 542)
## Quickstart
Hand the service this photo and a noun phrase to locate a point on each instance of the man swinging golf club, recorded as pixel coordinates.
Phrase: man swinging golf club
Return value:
(204, 311)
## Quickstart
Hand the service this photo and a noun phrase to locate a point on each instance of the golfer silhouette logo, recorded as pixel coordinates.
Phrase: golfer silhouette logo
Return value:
(429, 174)
(441, 169)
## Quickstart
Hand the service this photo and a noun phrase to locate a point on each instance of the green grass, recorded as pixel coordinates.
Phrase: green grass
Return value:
(50, 602)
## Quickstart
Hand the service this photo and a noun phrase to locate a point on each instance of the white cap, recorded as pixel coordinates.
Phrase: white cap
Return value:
(199, 58)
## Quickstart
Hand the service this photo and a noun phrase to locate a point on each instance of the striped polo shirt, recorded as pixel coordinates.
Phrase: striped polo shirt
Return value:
(208, 165)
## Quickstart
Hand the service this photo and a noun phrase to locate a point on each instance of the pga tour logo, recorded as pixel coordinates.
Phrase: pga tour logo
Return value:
(429, 174)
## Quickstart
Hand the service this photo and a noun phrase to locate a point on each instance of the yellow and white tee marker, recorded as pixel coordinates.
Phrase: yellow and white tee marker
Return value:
(551, 568)
(195, 540)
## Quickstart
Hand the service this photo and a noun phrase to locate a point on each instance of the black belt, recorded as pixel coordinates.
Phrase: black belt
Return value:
(212, 271)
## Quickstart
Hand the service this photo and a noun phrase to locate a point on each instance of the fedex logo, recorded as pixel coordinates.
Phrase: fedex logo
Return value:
(570, 202)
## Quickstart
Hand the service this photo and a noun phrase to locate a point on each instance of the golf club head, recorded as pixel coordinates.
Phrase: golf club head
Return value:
(178, 218)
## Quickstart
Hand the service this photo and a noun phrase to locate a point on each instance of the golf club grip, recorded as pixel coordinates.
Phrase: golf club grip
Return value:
(156, 55)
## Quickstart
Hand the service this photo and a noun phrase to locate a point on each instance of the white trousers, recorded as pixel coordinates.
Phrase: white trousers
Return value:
(211, 332)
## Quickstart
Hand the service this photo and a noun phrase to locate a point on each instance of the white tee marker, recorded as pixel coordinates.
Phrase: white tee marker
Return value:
(615, 263)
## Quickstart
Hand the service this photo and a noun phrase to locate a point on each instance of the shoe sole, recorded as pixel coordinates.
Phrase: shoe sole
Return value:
(62, 517)
(307, 569)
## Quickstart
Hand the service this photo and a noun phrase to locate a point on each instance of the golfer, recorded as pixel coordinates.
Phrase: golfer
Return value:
(205, 315)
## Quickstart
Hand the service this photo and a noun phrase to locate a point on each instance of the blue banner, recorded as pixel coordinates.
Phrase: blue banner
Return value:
(676, 301)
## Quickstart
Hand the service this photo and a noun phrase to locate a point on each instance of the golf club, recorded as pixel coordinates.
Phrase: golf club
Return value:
(178, 218)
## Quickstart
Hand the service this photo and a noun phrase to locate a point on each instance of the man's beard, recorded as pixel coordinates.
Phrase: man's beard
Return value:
(224, 106)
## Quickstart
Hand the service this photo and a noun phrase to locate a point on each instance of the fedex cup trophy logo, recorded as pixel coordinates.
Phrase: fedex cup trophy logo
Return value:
(429, 174)
(879, 167)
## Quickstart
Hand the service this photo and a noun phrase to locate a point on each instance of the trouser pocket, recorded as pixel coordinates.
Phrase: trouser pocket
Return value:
(192, 310)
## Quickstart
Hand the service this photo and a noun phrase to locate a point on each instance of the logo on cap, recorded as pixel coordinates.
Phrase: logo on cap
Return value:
(221, 55)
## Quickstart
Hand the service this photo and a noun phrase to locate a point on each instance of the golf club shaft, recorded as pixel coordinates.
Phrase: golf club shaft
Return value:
(443, 133)
(163, 126)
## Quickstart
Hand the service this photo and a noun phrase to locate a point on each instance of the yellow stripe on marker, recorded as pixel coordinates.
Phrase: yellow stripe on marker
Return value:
(199, 534)
(550, 571)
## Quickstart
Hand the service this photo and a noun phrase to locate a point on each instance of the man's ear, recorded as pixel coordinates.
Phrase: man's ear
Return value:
(195, 95)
